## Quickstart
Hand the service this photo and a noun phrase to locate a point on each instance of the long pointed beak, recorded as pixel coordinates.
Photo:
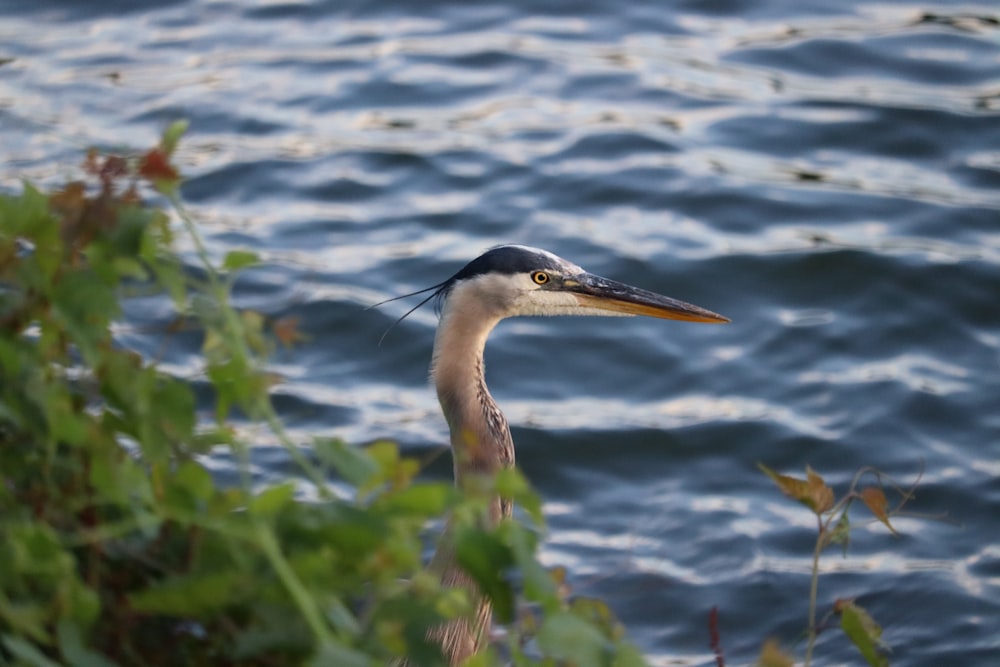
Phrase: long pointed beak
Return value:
(610, 296)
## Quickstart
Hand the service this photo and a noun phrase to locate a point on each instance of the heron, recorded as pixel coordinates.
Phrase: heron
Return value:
(506, 281)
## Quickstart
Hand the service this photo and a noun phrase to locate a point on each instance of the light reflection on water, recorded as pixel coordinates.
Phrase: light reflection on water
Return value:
(826, 176)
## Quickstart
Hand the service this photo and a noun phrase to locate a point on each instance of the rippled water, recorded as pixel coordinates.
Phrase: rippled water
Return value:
(827, 174)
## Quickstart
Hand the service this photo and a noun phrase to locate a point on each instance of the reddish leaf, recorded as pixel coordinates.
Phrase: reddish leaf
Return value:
(91, 164)
(114, 168)
(69, 202)
(820, 494)
(286, 330)
(874, 499)
(155, 166)
(811, 492)
(131, 196)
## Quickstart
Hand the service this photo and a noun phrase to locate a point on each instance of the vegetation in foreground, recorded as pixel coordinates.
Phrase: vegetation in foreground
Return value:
(117, 546)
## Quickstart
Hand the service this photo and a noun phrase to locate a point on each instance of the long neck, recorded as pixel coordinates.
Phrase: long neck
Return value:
(481, 444)
(480, 437)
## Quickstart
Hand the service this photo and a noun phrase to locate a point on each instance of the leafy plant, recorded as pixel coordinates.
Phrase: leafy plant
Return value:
(834, 528)
(118, 547)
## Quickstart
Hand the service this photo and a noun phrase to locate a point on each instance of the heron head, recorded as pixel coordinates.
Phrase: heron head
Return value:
(513, 280)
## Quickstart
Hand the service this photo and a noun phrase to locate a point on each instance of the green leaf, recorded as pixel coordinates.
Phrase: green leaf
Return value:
(34, 549)
(122, 481)
(353, 531)
(27, 653)
(73, 650)
(627, 655)
(83, 603)
(864, 632)
(174, 400)
(485, 658)
(488, 560)
(564, 636)
(239, 259)
(510, 483)
(28, 215)
(253, 330)
(172, 135)
(841, 533)
(30, 619)
(66, 422)
(124, 241)
(386, 454)
(343, 656)
(275, 629)
(195, 479)
(341, 617)
(189, 489)
(539, 586)
(196, 595)
(425, 500)
(84, 307)
(272, 500)
(354, 464)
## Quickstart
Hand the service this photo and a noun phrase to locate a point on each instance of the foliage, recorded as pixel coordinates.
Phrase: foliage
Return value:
(834, 528)
(117, 545)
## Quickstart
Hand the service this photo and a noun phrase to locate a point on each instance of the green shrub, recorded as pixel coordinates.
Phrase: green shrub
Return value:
(117, 547)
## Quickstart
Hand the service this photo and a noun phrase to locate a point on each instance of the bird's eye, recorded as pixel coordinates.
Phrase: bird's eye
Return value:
(540, 277)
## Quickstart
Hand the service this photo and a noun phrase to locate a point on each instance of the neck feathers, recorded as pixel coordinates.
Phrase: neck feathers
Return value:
(480, 443)
(480, 437)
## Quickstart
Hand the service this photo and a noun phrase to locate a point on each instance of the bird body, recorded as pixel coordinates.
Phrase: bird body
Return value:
(507, 281)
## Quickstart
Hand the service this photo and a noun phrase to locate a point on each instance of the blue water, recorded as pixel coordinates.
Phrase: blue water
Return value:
(826, 174)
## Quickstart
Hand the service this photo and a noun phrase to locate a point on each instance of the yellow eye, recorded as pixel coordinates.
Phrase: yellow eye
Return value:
(540, 277)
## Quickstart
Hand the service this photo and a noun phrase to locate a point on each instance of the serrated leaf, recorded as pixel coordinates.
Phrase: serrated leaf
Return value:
(863, 632)
(820, 495)
(239, 259)
(811, 492)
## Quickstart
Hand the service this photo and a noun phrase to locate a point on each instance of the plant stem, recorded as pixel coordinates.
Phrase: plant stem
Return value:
(235, 336)
(306, 603)
(813, 591)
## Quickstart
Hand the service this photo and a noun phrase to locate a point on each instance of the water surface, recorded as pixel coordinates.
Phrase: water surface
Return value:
(826, 174)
